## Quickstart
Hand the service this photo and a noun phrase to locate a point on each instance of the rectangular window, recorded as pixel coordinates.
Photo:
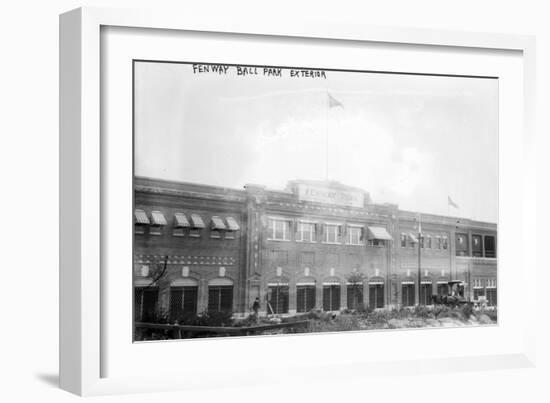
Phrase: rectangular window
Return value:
(306, 232)
(477, 250)
(428, 241)
(437, 242)
(354, 235)
(307, 259)
(232, 228)
(445, 242)
(155, 230)
(195, 232)
(355, 296)
(141, 221)
(403, 240)
(279, 229)
(279, 257)
(478, 292)
(220, 298)
(331, 297)
(421, 240)
(380, 243)
(461, 244)
(412, 240)
(492, 296)
(278, 299)
(407, 294)
(215, 233)
(178, 231)
(305, 298)
(490, 246)
(331, 233)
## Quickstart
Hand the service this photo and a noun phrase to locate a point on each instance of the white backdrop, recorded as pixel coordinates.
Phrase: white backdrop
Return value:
(28, 162)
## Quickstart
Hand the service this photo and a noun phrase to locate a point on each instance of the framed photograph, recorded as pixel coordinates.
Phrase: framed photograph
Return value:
(262, 194)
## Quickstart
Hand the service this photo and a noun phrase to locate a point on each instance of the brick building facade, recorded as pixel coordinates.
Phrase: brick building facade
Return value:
(313, 245)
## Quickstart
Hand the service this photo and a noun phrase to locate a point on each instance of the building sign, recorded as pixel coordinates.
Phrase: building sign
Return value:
(329, 195)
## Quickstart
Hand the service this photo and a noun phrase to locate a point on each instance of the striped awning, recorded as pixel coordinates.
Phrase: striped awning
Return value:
(217, 223)
(158, 218)
(141, 217)
(197, 221)
(232, 224)
(181, 220)
(379, 233)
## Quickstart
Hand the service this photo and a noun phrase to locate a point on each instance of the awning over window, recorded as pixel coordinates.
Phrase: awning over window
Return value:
(217, 223)
(412, 238)
(181, 220)
(232, 224)
(141, 217)
(379, 233)
(196, 221)
(158, 218)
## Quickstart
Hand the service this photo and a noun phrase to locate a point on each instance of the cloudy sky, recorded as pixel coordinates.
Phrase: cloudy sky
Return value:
(409, 140)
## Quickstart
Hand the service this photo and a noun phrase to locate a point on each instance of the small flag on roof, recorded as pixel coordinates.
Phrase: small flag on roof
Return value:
(451, 202)
(333, 102)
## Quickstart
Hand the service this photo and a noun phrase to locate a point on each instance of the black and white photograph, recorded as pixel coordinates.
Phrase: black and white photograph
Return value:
(278, 200)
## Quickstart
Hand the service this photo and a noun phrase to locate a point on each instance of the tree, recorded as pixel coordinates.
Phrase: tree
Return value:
(355, 286)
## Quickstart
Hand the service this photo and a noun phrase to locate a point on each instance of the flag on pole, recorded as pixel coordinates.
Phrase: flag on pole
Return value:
(451, 203)
(333, 102)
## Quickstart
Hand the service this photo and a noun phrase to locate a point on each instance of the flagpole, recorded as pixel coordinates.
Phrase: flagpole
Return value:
(326, 137)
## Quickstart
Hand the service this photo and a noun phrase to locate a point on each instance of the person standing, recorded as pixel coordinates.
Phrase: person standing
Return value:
(256, 309)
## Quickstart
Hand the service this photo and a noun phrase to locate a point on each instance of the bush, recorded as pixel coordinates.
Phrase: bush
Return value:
(212, 318)
(467, 310)
(491, 313)
(423, 312)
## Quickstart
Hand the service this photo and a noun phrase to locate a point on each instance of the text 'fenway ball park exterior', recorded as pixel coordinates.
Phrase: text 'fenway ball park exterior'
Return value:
(313, 245)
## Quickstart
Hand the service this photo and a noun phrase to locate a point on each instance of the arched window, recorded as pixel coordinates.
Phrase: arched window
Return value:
(426, 290)
(145, 303)
(408, 292)
(183, 297)
(331, 295)
(220, 295)
(376, 292)
(305, 295)
(277, 296)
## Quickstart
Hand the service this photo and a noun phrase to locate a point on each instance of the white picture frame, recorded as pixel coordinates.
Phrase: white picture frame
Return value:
(84, 181)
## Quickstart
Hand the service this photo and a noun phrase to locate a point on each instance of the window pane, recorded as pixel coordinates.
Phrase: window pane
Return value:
(331, 297)
(278, 299)
(220, 298)
(490, 246)
(305, 298)
(376, 295)
(407, 294)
